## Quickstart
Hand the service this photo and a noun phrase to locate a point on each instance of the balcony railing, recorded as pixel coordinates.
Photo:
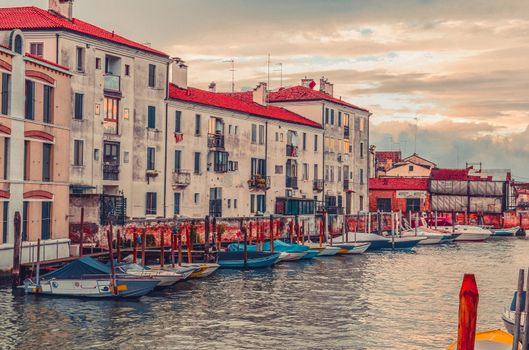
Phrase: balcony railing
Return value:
(215, 207)
(220, 167)
(329, 209)
(346, 131)
(292, 182)
(317, 185)
(292, 151)
(259, 182)
(110, 172)
(215, 141)
(112, 83)
(181, 178)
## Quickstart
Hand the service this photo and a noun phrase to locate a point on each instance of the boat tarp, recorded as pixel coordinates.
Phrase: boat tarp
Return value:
(279, 246)
(513, 303)
(83, 266)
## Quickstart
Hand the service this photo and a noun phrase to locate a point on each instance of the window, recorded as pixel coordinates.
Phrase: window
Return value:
(110, 116)
(252, 203)
(361, 203)
(78, 106)
(79, 55)
(236, 130)
(5, 221)
(220, 162)
(413, 204)
(362, 124)
(6, 87)
(177, 160)
(6, 158)
(316, 172)
(27, 155)
(197, 125)
(196, 198)
(361, 150)
(233, 165)
(305, 174)
(254, 133)
(78, 152)
(326, 115)
(261, 203)
(151, 158)
(235, 204)
(277, 136)
(152, 75)
(125, 157)
(30, 100)
(384, 205)
(346, 146)
(327, 173)
(127, 70)
(96, 154)
(410, 168)
(178, 121)
(261, 134)
(229, 203)
(197, 163)
(177, 196)
(315, 143)
(150, 203)
(304, 141)
(332, 116)
(18, 44)
(279, 169)
(47, 104)
(281, 137)
(98, 63)
(46, 220)
(37, 49)
(46, 161)
(151, 117)
(25, 220)
(361, 176)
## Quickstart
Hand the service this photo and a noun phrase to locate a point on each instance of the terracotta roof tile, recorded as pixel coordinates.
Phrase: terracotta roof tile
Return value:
(34, 18)
(223, 101)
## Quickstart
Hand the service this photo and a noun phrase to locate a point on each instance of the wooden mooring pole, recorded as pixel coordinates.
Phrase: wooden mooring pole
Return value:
(518, 312)
(17, 246)
(207, 224)
(118, 244)
(271, 234)
(134, 245)
(143, 245)
(245, 235)
(173, 243)
(525, 338)
(189, 245)
(162, 247)
(468, 313)
(81, 233)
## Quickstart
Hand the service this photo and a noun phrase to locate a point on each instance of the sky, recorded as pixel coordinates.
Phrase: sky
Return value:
(447, 79)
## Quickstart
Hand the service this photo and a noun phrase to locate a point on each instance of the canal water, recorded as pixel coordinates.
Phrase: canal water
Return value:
(375, 301)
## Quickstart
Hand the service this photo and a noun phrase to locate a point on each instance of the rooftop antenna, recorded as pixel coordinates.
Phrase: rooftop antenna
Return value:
(280, 73)
(232, 70)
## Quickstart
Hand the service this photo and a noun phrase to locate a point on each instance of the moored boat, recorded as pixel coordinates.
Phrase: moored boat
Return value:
(352, 248)
(378, 242)
(88, 278)
(166, 277)
(505, 231)
(467, 233)
(255, 260)
(202, 269)
(490, 340)
(288, 252)
(324, 249)
(509, 313)
(311, 253)
(431, 236)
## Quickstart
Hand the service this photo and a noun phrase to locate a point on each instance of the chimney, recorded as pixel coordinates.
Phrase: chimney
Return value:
(63, 8)
(325, 86)
(259, 94)
(179, 73)
(308, 83)
(212, 87)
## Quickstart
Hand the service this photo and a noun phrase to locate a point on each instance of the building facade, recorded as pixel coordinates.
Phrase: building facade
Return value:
(35, 122)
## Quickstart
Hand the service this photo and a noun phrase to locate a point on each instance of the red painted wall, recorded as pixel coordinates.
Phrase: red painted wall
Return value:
(396, 203)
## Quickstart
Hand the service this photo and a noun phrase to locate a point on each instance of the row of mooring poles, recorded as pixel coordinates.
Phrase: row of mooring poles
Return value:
(522, 298)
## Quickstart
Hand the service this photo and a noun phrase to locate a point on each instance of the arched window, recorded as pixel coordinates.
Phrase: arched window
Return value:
(18, 44)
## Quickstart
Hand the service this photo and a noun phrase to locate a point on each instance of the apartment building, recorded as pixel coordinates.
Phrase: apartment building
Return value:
(35, 121)
(232, 157)
(118, 108)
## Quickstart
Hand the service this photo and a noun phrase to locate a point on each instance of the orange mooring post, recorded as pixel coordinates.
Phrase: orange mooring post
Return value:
(468, 313)
(291, 231)
(143, 244)
(134, 245)
(321, 233)
(189, 245)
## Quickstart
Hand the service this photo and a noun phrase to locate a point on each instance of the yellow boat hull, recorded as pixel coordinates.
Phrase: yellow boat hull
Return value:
(491, 340)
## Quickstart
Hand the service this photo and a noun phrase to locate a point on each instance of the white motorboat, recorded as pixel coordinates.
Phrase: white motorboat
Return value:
(467, 233)
(432, 236)
(291, 256)
(202, 269)
(378, 242)
(351, 248)
(509, 314)
(166, 277)
(324, 249)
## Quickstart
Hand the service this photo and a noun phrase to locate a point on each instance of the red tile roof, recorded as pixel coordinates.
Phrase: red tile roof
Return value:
(296, 93)
(454, 174)
(38, 58)
(398, 183)
(383, 156)
(220, 100)
(34, 18)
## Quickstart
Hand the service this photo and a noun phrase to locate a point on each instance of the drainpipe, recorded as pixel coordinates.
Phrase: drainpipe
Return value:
(165, 141)
(57, 48)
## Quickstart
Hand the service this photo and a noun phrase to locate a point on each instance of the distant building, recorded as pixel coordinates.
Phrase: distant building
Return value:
(35, 122)
(390, 164)
(399, 194)
(385, 160)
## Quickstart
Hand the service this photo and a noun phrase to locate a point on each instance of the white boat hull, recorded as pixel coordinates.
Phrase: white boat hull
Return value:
(205, 269)
(284, 256)
(324, 249)
(358, 248)
(467, 233)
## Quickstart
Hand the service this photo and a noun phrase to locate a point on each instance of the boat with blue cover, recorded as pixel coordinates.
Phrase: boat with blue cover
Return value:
(378, 242)
(255, 260)
(89, 278)
(288, 252)
(505, 231)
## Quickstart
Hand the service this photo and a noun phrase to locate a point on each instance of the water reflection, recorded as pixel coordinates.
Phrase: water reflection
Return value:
(382, 300)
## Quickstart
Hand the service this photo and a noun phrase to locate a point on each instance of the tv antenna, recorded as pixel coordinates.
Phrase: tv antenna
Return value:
(232, 70)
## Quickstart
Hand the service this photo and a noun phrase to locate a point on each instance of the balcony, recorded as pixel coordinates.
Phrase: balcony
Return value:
(259, 182)
(216, 141)
(346, 131)
(112, 83)
(111, 172)
(292, 151)
(181, 179)
(292, 182)
(317, 185)
(329, 209)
